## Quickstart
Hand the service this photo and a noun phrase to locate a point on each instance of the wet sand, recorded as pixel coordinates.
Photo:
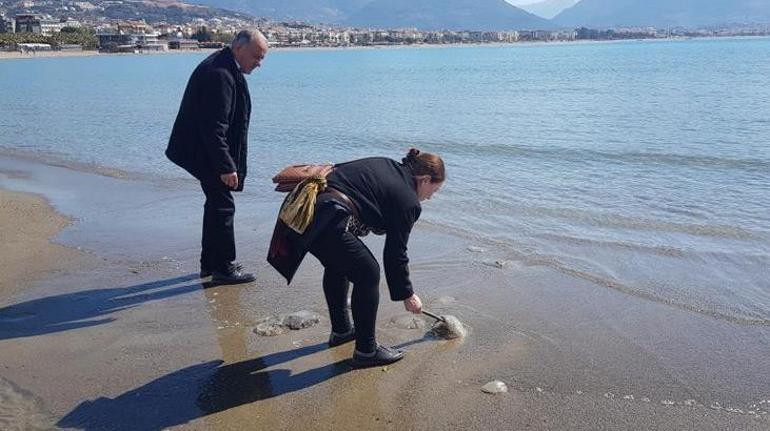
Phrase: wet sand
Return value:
(125, 336)
(26, 225)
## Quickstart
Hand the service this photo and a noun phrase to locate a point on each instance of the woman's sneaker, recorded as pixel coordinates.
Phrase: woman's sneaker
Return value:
(340, 339)
(381, 356)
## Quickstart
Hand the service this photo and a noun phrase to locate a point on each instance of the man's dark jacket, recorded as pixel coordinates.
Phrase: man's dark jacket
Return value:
(210, 134)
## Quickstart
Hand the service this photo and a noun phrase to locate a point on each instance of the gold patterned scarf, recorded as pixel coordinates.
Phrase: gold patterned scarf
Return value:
(299, 207)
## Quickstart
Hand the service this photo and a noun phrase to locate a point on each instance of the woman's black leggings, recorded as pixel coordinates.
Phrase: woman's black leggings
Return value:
(346, 259)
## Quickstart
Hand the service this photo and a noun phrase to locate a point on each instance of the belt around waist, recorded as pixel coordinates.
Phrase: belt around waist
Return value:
(342, 198)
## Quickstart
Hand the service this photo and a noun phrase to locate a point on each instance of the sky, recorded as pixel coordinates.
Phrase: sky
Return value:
(522, 2)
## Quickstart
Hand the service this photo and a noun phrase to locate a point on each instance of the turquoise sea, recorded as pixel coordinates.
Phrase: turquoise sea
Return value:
(641, 166)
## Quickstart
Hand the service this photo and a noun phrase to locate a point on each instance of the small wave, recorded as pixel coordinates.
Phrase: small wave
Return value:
(679, 211)
(66, 162)
(631, 290)
(555, 152)
(21, 410)
(62, 161)
(660, 250)
(606, 219)
(524, 254)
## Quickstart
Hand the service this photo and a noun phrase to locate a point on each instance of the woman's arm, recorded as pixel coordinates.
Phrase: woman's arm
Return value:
(395, 256)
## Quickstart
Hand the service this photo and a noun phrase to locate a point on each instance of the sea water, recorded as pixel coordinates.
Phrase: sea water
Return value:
(641, 166)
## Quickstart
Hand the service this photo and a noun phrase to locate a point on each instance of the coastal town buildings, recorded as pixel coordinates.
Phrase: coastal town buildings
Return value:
(183, 44)
(7, 25)
(130, 36)
(49, 27)
(167, 31)
(29, 23)
(170, 30)
(288, 35)
(36, 24)
(34, 47)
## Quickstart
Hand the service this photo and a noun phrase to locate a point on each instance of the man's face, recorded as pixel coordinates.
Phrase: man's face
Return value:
(250, 56)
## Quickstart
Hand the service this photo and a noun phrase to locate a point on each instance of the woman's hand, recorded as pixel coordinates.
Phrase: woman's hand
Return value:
(413, 304)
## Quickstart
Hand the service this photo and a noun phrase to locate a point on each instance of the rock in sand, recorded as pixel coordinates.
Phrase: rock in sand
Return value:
(269, 329)
(301, 320)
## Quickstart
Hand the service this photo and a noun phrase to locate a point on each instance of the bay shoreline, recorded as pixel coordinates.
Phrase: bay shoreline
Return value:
(15, 55)
(159, 342)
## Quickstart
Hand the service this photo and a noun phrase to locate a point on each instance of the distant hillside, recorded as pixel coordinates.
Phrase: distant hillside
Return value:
(171, 11)
(549, 8)
(446, 15)
(665, 13)
(316, 11)
(423, 14)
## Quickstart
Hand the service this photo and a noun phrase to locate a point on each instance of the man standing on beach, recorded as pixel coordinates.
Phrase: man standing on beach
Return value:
(209, 140)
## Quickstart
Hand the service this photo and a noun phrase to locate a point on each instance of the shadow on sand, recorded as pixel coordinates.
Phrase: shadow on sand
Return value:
(84, 309)
(200, 390)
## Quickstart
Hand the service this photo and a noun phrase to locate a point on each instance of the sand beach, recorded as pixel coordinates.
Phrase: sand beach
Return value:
(105, 325)
(12, 55)
(9, 55)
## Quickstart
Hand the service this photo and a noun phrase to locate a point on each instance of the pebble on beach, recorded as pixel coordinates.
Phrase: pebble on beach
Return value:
(503, 264)
(269, 329)
(277, 325)
(301, 320)
(495, 387)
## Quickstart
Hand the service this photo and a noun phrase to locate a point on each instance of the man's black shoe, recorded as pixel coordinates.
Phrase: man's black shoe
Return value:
(340, 339)
(382, 356)
(233, 275)
(205, 272)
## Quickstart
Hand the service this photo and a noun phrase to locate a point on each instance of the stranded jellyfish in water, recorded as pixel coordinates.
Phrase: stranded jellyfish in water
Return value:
(448, 327)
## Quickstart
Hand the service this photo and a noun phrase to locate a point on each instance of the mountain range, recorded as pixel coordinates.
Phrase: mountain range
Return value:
(501, 15)
(422, 14)
(171, 11)
(548, 8)
(446, 14)
(315, 11)
(664, 13)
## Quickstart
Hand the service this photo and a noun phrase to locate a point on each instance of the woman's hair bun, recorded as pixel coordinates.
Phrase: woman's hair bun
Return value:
(425, 164)
(411, 156)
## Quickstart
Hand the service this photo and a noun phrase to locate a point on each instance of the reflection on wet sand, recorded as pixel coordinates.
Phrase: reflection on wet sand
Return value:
(83, 309)
(237, 380)
(224, 308)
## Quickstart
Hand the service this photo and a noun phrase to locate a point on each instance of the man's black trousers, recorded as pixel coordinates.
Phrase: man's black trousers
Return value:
(218, 239)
